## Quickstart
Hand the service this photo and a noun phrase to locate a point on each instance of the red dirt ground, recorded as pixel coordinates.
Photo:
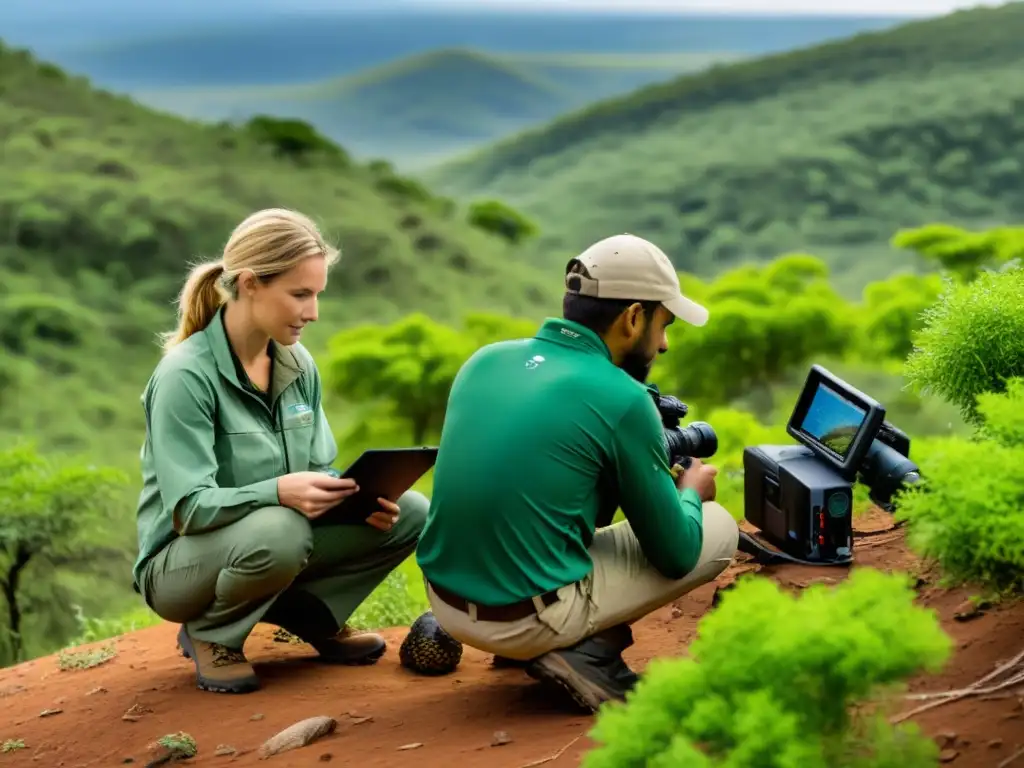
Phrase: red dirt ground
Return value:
(453, 719)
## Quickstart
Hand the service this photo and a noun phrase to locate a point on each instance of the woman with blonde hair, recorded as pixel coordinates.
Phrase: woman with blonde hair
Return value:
(236, 466)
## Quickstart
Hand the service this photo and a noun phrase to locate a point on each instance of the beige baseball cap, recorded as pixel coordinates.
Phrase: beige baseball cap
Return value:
(629, 267)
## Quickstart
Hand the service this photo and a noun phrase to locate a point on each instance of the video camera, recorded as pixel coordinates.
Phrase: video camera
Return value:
(801, 497)
(696, 441)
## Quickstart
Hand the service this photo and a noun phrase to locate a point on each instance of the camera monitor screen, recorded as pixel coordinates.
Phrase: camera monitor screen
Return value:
(835, 420)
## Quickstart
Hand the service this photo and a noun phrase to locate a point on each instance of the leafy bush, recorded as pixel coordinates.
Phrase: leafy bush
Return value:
(972, 341)
(966, 513)
(772, 681)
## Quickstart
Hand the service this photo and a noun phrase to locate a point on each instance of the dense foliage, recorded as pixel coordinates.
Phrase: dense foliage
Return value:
(829, 149)
(772, 679)
(973, 340)
(967, 515)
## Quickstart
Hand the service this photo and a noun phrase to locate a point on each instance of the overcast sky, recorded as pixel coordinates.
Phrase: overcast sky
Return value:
(859, 7)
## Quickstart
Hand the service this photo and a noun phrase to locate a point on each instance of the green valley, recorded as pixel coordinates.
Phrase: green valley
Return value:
(427, 107)
(828, 149)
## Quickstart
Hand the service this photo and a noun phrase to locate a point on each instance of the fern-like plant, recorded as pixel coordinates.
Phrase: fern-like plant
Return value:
(773, 680)
(972, 341)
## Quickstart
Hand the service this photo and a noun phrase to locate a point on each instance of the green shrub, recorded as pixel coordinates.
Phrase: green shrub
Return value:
(966, 514)
(772, 681)
(499, 219)
(292, 138)
(972, 341)
(1003, 414)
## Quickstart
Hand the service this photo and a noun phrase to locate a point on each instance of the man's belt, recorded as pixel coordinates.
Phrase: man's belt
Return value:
(510, 612)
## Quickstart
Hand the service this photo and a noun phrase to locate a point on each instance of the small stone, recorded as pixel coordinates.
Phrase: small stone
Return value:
(326, 757)
(224, 750)
(948, 755)
(995, 744)
(414, 745)
(500, 738)
(967, 610)
(48, 712)
(257, 716)
(97, 689)
(945, 739)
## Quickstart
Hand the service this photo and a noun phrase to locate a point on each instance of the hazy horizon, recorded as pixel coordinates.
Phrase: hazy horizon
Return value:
(720, 7)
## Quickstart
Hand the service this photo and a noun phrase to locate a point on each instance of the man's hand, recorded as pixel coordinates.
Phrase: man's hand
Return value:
(700, 477)
(313, 493)
(384, 518)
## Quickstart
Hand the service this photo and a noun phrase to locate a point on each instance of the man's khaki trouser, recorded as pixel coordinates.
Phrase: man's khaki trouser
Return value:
(220, 584)
(622, 588)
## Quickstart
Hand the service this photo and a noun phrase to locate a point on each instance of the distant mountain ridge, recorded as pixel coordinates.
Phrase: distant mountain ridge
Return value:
(264, 47)
(419, 109)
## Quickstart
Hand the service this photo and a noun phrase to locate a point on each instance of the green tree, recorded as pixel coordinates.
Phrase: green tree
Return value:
(410, 364)
(764, 322)
(498, 218)
(961, 252)
(48, 511)
(893, 312)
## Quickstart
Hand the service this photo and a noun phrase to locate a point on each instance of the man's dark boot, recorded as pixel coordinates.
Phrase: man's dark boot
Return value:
(591, 672)
(218, 668)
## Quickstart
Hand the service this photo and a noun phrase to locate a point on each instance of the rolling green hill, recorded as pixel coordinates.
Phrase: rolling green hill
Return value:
(425, 107)
(828, 149)
(103, 205)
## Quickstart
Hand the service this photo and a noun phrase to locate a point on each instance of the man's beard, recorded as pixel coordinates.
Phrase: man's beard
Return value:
(636, 362)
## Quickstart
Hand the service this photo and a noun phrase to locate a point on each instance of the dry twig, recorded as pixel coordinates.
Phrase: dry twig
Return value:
(1011, 758)
(554, 756)
(977, 688)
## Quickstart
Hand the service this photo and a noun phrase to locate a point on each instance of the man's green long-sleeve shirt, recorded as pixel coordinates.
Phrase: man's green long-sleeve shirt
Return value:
(215, 445)
(534, 430)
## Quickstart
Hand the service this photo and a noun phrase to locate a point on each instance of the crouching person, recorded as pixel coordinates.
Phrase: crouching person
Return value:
(237, 471)
(544, 437)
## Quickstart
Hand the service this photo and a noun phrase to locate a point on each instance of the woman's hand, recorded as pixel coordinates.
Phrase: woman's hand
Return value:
(313, 493)
(386, 517)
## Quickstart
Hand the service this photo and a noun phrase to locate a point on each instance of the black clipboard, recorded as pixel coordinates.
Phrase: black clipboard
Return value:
(380, 473)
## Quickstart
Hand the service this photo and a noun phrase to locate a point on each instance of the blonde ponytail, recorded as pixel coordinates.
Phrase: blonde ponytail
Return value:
(201, 297)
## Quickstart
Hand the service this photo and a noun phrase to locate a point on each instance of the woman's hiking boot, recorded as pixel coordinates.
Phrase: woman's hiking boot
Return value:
(350, 647)
(308, 618)
(218, 668)
(591, 672)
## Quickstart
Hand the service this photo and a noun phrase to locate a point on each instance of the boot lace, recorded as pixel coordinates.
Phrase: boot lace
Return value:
(224, 656)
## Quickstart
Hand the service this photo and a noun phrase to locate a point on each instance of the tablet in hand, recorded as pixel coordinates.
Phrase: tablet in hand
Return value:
(380, 472)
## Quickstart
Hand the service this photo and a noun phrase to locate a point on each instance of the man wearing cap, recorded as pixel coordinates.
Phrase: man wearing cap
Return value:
(543, 438)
